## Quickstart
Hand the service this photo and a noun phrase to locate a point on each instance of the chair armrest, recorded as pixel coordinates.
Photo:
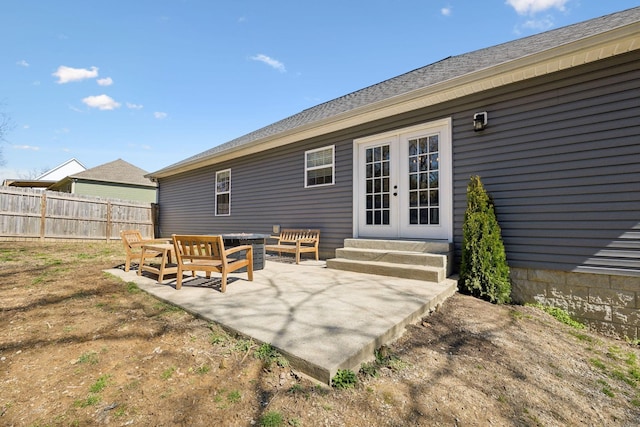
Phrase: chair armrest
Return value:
(235, 249)
(148, 242)
(168, 240)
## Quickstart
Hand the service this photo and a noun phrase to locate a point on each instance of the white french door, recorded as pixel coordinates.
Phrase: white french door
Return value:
(402, 183)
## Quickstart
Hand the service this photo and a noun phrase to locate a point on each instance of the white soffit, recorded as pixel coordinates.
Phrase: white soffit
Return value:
(615, 42)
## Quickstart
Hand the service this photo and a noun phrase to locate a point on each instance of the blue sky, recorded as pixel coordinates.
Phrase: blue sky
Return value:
(156, 81)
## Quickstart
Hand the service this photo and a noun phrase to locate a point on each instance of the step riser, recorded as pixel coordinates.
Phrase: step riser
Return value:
(432, 260)
(400, 245)
(436, 275)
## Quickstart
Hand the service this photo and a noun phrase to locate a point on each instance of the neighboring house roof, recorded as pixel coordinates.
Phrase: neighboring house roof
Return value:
(118, 172)
(49, 177)
(63, 170)
(27, 183)
(448, 79)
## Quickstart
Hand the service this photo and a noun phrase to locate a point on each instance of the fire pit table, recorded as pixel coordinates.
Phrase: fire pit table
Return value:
(257, 242)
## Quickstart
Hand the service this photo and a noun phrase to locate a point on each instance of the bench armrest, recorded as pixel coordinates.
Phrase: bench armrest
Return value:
(307, 240)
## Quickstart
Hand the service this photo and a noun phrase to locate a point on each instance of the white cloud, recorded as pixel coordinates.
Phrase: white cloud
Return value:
(22, 63)
(160, 115)
(445, 11)
(26, 147)
(101, 102)
(132, 106)
(107, 81)
(539, 24)
(67, 74)
(530, 7)
(273, 63)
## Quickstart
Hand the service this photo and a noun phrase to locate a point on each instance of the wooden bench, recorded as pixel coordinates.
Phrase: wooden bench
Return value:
(296, 242)
(207, 253)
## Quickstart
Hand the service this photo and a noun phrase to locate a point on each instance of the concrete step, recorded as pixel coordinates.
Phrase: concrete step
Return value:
(432, 246)
(393, 256)
(416, 272)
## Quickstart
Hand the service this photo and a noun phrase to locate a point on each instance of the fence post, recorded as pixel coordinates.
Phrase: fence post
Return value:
(109, 225)
(43, 215)
(155, 213)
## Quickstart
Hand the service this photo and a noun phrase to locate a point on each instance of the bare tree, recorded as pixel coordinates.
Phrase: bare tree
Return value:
(33, 173)
(5, 126)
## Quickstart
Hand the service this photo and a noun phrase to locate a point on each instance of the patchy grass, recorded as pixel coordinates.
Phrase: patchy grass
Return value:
(95, 350)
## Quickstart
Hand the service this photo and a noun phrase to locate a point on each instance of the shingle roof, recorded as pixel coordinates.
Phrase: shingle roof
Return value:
(438, 72)
(118, 171)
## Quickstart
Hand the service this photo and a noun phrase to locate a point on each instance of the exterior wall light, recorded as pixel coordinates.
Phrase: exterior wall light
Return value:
(480, 121)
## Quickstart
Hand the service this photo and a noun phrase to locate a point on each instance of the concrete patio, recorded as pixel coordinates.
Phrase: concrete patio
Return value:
(321, 319)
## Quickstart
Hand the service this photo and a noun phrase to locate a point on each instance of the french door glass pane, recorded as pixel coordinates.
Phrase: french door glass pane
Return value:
(424, 178)
(377, 190)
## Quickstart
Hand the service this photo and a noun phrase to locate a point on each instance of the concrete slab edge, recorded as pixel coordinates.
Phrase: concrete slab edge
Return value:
(312, 371)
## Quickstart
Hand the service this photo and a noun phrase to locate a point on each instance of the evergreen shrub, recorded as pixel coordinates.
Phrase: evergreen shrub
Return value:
(484, 272)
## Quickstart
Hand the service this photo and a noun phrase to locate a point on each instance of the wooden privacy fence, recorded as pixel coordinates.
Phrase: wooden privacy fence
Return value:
(27, 214)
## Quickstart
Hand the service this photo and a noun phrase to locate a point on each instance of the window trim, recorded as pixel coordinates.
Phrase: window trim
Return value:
(307, 169)
(221, 193)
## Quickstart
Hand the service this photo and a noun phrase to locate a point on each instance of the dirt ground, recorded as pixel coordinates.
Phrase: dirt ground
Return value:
(80, 347)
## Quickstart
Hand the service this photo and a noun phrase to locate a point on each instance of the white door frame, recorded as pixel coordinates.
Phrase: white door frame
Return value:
(399, 176)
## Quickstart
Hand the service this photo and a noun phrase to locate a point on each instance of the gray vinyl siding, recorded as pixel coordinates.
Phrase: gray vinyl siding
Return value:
(266, 189)
(561, 159)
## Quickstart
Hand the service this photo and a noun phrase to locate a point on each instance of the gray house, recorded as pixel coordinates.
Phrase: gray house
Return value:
(551, 124)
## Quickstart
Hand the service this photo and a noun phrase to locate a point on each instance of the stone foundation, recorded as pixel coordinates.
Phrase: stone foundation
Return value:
(606, 303)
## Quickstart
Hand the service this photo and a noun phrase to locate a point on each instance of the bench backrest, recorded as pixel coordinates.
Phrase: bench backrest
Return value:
(291, 235)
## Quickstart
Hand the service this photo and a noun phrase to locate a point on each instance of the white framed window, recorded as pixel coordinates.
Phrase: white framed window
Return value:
(223, 192)
(319, 167)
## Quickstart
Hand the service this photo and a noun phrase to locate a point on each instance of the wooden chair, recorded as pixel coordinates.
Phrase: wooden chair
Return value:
(133, 242)
(296, 242)
(207, 253)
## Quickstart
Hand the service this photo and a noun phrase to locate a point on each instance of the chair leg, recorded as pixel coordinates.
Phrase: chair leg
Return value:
(179, 277)
(127, 264)
(223, 286)
(250, 264)
(141, 263)
(163, 262)
(250, 272)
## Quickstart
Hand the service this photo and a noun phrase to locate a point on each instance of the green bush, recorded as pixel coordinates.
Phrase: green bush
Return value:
(484, 272)
(344, 378)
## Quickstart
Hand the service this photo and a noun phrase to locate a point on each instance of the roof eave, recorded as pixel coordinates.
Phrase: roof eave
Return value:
(604, 45)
